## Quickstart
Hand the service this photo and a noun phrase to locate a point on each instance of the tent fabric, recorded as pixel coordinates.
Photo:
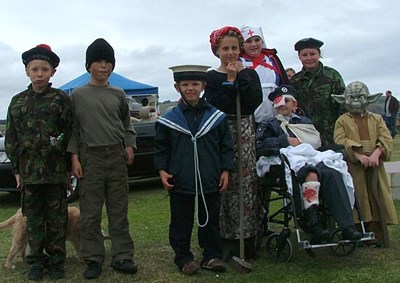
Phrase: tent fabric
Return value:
(130, 87)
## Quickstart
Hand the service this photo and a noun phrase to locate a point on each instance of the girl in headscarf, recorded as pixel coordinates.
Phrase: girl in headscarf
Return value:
(223, 84)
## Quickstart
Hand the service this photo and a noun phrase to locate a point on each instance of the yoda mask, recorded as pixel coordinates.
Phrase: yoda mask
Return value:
(356, 97)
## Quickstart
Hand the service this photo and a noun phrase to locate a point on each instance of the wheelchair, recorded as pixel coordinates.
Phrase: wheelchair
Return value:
(279, 194)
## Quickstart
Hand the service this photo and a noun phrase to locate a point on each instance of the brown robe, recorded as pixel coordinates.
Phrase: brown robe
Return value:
(347, 132)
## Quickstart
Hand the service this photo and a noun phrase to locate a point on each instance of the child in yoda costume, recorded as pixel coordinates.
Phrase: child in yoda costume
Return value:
(368, 144)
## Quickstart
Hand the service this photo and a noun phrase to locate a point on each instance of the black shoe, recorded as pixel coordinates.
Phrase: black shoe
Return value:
(93, 270)
(319, 235)
(35, 273)
(350, 233)
(125, 266)
(56, 271)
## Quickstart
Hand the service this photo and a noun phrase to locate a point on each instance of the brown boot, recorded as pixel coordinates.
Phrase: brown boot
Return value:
(190, 268)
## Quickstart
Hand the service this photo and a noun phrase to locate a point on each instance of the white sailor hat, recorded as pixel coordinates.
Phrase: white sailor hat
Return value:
(190, 72)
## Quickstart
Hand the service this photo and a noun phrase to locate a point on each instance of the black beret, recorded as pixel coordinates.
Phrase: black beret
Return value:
(190, 72)
(281, 90)
(41, 52)
(308, 43)
(100, 49)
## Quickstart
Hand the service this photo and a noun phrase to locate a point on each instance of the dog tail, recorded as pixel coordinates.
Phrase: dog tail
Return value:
(9, 222)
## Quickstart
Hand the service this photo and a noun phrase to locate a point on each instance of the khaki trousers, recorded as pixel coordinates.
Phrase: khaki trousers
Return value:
(105, 181)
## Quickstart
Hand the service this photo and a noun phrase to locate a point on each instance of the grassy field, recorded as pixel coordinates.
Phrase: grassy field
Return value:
(396, 148)
(149, 219)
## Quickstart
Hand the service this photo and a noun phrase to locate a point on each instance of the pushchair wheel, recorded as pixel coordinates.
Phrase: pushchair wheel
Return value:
(279, 248)
(342, 248)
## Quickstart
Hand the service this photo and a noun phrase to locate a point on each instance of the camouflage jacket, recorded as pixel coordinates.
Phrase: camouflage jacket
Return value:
(38, 129)
(314, 96)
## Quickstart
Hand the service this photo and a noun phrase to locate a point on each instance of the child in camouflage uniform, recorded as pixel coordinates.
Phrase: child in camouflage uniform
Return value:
(38, 128)
(314, 85)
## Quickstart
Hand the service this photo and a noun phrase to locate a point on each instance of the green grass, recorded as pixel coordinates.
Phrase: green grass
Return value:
(396, 148)
(149, 219)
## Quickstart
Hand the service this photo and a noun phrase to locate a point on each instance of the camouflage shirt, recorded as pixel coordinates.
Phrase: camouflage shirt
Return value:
(37, 134)
(314, 96)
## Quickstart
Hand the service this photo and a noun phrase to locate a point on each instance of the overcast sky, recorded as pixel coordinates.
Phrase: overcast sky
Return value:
(361, 36)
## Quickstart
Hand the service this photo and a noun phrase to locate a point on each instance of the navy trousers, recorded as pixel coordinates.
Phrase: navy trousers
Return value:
(182, 219)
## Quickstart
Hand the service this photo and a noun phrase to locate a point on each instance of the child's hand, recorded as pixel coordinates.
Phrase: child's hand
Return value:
(165, 179)
(18, 181)
(364, 160)
(374, 157)
(293, 141)
(76, 166)
(231, 72)
(223, 181)
(129, 155)
(238, 66)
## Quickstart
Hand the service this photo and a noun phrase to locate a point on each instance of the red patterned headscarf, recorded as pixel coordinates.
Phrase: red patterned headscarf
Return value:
(217, 35)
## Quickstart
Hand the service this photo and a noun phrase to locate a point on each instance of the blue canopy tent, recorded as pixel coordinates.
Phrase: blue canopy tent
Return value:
(130, 87)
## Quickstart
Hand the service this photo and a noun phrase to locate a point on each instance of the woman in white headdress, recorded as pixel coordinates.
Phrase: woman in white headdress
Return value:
(266, 63)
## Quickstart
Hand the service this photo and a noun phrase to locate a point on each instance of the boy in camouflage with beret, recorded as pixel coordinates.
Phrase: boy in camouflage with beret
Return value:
(314, 85)
(38, 128)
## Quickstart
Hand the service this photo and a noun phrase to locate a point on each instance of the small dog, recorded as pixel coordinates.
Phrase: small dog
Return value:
(20, 237)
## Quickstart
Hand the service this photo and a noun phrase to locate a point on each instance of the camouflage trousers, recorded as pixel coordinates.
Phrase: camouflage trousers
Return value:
(46, 209)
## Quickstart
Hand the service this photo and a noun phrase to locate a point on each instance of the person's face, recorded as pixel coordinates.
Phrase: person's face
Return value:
(288, 108)
(309, 57)
(289, 74)
(100, 71)
(228, 50)
(39, 72)
(253, 46)
(190, 90)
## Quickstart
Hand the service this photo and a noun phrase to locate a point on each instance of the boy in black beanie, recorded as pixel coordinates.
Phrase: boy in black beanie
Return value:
(102, 143)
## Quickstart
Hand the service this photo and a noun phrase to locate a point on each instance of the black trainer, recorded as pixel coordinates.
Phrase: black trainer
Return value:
(56, 271)
(93, 270)
(35, 273)
(125, 266)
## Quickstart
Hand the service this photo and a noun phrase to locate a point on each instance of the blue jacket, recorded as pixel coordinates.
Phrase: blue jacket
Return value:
(174, 149)
(270, 136)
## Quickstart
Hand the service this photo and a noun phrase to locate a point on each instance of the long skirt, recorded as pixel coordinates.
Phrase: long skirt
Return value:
(230, 201)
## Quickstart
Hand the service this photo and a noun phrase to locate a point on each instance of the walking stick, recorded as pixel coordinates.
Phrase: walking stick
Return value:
(372, 182)
(243, 265)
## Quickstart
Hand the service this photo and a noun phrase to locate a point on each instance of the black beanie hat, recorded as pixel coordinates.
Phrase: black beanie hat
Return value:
(41, 52)
(100, 49)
